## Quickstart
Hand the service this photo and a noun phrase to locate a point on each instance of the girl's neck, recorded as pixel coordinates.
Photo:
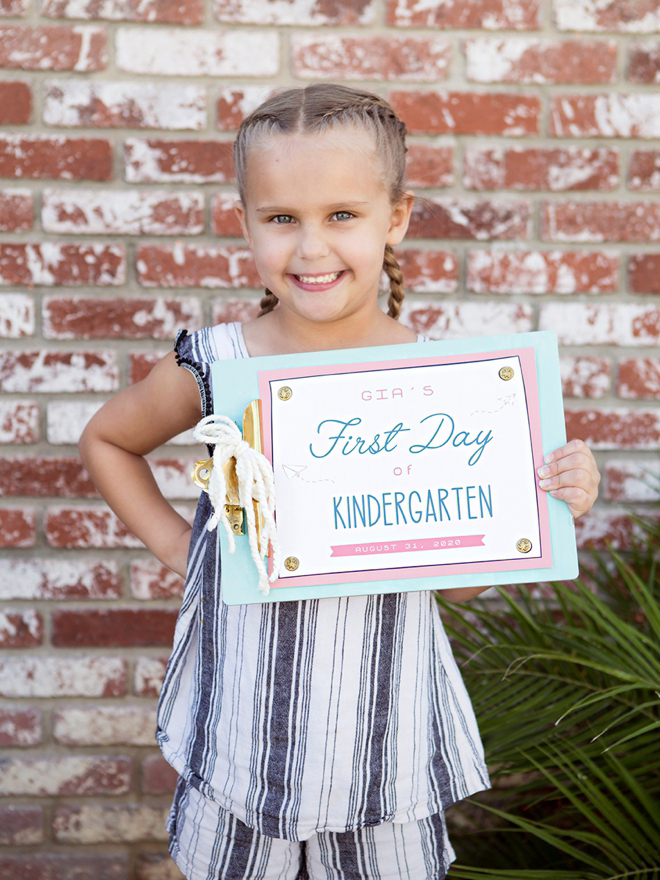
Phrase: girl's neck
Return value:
(280, 332)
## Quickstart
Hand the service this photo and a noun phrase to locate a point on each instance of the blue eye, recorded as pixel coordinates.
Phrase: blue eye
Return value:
(343, 215)
(282, 219)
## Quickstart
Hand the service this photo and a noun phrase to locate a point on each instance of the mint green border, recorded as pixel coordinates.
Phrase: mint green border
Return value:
(235, 384)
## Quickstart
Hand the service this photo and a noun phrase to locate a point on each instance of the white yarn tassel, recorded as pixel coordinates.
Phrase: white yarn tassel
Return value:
(255, 481)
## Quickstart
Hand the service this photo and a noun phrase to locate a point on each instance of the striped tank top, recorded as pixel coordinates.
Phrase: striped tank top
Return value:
(318, 715)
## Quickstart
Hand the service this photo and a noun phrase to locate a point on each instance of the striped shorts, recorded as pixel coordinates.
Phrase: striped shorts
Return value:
(208, 843)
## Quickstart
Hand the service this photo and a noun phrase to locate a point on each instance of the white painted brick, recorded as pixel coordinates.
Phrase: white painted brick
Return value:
(173, 478)
(178, 52)
(65, 420)
(19, 421)
(125, 823)
(48, 372)
(596, 15)
(296, 12)
(16, 315)
(447, 320)
(609, 324)
(151, 580)
(635, 480)
(61, 676)
(58, 579)
(149, 672)
(56, 775)
(106, 726)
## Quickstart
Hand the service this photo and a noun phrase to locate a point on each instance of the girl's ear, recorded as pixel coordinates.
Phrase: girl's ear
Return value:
(400, 218)
(239, 210)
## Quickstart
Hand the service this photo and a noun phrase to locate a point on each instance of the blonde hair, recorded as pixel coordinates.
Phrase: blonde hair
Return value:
(323, 107)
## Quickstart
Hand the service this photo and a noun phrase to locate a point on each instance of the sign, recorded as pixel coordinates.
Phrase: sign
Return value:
(406, 467)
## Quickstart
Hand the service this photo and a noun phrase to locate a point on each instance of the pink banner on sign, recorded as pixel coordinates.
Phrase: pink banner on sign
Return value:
(407, 546)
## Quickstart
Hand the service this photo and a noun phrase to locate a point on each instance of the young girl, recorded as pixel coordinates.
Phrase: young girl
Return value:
(321, 738)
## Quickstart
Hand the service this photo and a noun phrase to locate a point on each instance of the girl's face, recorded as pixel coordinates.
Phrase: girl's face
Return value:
(317, 217)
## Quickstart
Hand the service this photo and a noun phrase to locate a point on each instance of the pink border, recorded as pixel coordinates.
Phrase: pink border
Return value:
(528, 365)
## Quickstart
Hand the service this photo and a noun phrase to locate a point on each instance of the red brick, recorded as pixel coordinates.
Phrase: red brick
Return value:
(304, 12)
(64, 775)
(223, 218)
(114, 628)
(58, 579)
(608, 324)
(196, 52)
(115, 823)
(140, 364)
(428, 271)
(52, 47)
(152, 866)
(83, 317)
(105, 725)
(101, 104)
(164, 11)
(615, 428)
(151, 580)
(17, 316)
(56, 156)
(583, 376)
(13, 7)
(600, 221)
(227, 310)
(624, 16)
(128, 212)
(644, 63)
(186, 265)
(429, 165)
(234, 105)
(55, 371)
(467, 218)
(467, 113)
(455, 320)
(149, 673)
(21, 826)
(20, 629)
(541, 272)
(42, 477)
(160, 161)
(17, 527)
(19, 421)
(644, 273)
(15, 210)
(42, 866)
(53, 264)
(599, 529)
(631, 481)
(486, 14)
(539, 168)
(525, 60)
(157, 775)
(644, 171)
(43, 676)
(608, 115)
(398, 58)
(86, 527)
(638, 377)
(18, 727)
(15, 103)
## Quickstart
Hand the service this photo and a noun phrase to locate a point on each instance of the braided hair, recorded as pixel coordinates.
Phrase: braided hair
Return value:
(322, 107)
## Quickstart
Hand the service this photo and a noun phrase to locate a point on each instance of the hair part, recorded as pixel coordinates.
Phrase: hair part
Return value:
(322, 107)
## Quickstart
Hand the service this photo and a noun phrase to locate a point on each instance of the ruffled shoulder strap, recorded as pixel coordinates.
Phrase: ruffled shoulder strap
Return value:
(196, 352)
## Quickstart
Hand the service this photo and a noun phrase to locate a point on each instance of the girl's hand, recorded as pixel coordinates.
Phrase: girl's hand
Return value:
(570, 473)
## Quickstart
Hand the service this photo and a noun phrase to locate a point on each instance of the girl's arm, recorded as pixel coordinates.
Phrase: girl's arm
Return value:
(113, 444)
(569, 473)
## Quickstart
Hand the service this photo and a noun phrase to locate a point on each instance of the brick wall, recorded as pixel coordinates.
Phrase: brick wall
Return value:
(535, 131)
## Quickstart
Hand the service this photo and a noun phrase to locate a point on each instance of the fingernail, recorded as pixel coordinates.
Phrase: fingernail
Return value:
(545, 484)
(548, 458)
(554, 493)
(544, 471)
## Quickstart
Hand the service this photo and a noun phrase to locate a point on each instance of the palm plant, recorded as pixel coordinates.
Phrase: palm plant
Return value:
(567, 694)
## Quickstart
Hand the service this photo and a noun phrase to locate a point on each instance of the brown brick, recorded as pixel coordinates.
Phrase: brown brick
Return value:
(163, 11)
(428, 271)
(644, 63)
(393, 58)
(467, 113)
(600, 221)
(541, 272)
(17, 527)
(42, 866)
(55, 371)
(114, 823)
(141, 364)
(151, 580)
(15, 103)
(607, 115)
(15, 210)
(644, 273)
(64, 775)
(480, 220)
(631, 481)
(644, 171)
(52, 47)
(429, 165)
(58, 579)
(307, 12)
(41, 477)
(149, 673)
(487, 14)
(227, 310)
(43, 156)
(524, 60)
(600, 529)
(584, 376)
(18, 727)
(638, 378)
(20, 629)
(538, 168)
(129, 318)
(615, 428)
(47, 676)
(19, 421)
(623, 16)
(86, 527)
(223, 217)
(164, 161)
(13, 7)
(152, 866)
(54, 264)
(120, 628)
(186, 265)
(234, 105)
(157, 775)
(21, 826)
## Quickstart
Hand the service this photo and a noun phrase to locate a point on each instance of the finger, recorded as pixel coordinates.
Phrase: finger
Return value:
(567, 449)
(575, 462)
(577, 477)
(577, 500)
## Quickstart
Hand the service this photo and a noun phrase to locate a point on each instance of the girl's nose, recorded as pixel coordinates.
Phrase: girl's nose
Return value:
(312, 244)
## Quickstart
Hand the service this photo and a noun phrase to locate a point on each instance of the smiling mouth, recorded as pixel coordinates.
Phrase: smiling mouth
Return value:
(318, 279)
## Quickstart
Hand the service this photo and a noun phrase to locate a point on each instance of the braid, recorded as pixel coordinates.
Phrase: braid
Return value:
(393, 272)
(268, 303)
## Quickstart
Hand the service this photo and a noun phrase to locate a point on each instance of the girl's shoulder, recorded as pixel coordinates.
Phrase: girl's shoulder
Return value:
(203, 347)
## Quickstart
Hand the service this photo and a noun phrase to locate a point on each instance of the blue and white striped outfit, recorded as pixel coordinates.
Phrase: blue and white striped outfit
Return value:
(325, 715)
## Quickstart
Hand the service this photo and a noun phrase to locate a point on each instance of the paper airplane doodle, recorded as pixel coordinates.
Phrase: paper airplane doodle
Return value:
(509, 400)
(295, 470)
